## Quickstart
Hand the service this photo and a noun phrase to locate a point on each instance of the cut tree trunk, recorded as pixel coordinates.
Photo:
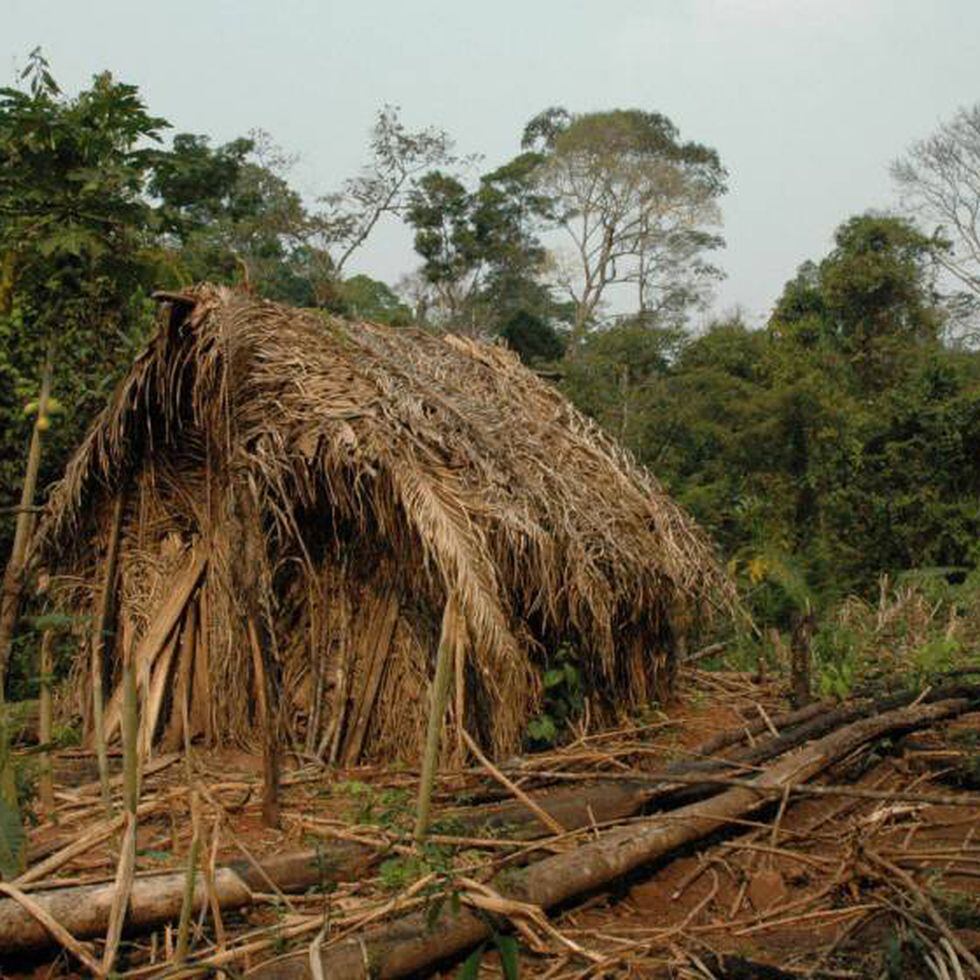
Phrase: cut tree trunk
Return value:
(84, 910)
(413, 943)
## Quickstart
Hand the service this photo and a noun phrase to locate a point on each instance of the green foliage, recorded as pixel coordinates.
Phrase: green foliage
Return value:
(388, 808)
(507, 949)
(914, 632)
(95, 214)
(398, 873)
(364, 298)
(12, 840)
(835, 444)
(563, 698)
(533, 338)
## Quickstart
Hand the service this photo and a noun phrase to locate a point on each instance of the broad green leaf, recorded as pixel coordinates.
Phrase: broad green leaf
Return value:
(508, 949)
(12, 840)
(471, 967)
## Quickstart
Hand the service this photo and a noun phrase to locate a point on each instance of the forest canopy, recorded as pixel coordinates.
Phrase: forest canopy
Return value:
(831, 444)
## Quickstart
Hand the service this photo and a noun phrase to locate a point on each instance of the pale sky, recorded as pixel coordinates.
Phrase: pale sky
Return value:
(807, 101)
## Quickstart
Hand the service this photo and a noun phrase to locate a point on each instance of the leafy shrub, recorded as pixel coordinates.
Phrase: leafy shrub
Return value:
(563, 699)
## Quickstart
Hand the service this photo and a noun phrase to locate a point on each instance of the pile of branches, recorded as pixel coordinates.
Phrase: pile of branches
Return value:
(540, 834)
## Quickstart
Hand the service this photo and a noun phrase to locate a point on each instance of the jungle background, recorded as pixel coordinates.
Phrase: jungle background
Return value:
(832, 451)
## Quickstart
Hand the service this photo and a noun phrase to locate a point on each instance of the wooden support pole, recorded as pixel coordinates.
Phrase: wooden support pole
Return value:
(102, 618)
(438, 697)
(130, 728)
(155, 638)
(800, 658)
(45, 670)
(269, 717)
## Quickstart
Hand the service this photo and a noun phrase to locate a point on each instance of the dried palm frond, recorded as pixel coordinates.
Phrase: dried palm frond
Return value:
(379, 458)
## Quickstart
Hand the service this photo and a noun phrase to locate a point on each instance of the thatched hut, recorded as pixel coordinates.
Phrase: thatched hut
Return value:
(297, 499)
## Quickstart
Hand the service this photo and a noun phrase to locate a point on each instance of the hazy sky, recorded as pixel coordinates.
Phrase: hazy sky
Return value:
(807, 101)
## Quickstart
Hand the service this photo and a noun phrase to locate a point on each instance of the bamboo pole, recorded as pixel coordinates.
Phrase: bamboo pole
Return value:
(438, 696)
(98, 647)
(127, 848)
(155, 899)
(13, 579)
(123, 885)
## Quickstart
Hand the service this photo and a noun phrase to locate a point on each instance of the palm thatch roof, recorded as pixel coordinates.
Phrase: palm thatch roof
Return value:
(336, 483)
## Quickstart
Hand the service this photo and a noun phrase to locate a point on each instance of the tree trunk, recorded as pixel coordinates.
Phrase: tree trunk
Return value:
(45, 670)
(412, 944)
(800, 659)
(84, 910)
(13, 579)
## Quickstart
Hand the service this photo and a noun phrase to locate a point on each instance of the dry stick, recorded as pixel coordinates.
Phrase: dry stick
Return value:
(80, 845)
(439, 693)
(98, 647)
(13, 578)
(546, 818)
(154, 692)
(179, 721)
(123, 886)
(129, 722)
(157, 898)
(893, 796)
(160, 628)
(57, 931)
(459, 706)
(929, 908)
(377, 641)
(413, 944)
(127, 850)
(45, 669)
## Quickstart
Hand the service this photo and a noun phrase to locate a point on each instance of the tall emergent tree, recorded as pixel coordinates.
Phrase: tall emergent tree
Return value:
(634, 202)
(482, 259)
(940, 180)
(399, 158)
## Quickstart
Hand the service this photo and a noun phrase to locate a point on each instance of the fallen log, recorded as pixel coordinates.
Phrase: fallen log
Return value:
(84, 909)
(413, 943)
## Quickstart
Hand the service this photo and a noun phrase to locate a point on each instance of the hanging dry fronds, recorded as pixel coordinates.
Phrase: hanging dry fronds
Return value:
(384, 463)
